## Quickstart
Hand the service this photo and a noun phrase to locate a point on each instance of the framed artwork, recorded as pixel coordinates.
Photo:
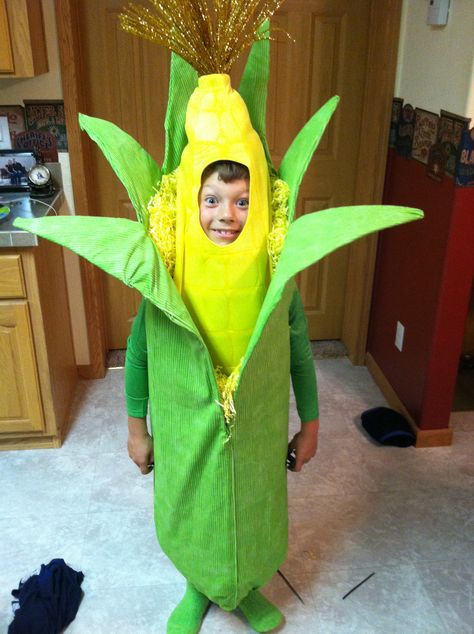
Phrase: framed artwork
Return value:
(465, 164)
(425, 135)
(450, 131)
(16, 120)
(47, 116)
(14, 168)
(406, 130)
(39, 141)
(5, 141)
(397, 105)
(436, 162)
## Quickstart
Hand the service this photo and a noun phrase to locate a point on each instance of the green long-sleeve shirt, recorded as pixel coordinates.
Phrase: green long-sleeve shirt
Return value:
(303, 376)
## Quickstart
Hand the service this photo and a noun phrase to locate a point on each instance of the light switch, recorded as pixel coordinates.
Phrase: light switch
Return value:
(399, 336)
(438, 12)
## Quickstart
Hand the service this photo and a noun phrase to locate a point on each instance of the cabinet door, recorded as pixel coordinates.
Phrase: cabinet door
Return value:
(20, 400)
(22, 32)
(6, 53)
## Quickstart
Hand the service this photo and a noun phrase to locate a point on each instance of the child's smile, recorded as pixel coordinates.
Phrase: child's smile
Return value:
(223, 208)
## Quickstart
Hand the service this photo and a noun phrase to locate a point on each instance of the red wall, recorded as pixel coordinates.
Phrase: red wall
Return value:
(423, 279)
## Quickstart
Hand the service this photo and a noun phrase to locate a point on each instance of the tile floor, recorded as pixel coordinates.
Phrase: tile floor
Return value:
(405, 514)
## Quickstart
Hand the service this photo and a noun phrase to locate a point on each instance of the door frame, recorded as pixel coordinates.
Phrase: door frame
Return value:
(384, 31)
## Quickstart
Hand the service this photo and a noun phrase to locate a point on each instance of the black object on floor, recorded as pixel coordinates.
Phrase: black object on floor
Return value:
(48, 601)
(290, 586)
(358, 585)
(388, 427)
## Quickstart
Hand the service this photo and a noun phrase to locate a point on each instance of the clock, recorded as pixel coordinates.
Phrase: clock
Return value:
(40, 181)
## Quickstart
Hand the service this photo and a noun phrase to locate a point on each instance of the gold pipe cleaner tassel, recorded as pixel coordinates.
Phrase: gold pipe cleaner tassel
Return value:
(209, 35)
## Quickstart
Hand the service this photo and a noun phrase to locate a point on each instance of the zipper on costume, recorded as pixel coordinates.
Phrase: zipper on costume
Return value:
(234, 511)
(211, 377)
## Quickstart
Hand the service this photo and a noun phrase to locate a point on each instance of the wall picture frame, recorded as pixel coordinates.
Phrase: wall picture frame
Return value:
(16, 120)
(5, 140)
(465, 164)
(14, 168)
(397, 105)
(47, 115)
(406, 130)
(425, 134)
(450, 131)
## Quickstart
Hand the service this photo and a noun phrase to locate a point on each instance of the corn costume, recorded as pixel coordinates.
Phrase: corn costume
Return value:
(220, 475)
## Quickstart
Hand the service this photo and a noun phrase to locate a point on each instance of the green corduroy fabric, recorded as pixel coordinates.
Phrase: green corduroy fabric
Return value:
(301, 369)
(193, 461)
(257, 73)
(124, 249)
(133, 165)
(183, 80)
(313, 236)
(220, 504)
(299, 154)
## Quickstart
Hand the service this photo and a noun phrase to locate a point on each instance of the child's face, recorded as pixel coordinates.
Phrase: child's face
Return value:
(223, 208)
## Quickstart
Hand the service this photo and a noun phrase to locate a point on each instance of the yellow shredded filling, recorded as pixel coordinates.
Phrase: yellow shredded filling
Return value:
(162, 229)
(162, 220)
(227, 385)
(277, 234)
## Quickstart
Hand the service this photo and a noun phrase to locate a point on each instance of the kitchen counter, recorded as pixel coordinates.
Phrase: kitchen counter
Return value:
(22, 206)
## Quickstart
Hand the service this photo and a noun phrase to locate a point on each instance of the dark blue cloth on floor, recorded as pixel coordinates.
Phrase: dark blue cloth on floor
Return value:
(47, 601)
(388, 427)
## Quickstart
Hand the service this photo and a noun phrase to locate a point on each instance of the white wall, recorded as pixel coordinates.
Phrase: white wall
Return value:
(48, 86)
(13, 91)
(436, 64)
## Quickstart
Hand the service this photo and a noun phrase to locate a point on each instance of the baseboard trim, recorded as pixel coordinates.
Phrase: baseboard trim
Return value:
(424, 437)
(90, 371)
(434, 437)
(45, 442)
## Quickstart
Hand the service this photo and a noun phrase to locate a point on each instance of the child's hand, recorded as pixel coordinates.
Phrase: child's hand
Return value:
(305, 443)
(140, 444)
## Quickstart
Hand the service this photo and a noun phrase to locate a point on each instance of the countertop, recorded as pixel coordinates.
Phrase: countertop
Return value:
(22, 206)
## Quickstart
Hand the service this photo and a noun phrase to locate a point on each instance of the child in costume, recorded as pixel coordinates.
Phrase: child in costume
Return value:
(223, 211)
(216, 318)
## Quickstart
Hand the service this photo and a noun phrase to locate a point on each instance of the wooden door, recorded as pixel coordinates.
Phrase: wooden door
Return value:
(328, 58)
(127, 83)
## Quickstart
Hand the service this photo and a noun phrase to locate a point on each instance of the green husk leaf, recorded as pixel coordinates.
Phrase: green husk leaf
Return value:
(135, 168)
(296, 160)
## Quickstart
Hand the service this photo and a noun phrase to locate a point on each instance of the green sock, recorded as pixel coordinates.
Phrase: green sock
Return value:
(262, 615)
(187, 616)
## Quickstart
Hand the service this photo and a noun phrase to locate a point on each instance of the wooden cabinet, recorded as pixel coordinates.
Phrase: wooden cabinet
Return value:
(22, 41)
(20, 400)
(37, 365)
(6, 51)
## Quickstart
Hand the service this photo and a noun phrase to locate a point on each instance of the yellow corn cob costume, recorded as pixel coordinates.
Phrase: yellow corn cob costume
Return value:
(223, 287)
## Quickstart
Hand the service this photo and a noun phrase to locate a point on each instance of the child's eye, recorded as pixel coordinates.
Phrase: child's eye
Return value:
(210, 200)
(243, 202)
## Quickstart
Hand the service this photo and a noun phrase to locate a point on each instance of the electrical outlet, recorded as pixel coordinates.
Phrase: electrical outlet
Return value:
(399, 335)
